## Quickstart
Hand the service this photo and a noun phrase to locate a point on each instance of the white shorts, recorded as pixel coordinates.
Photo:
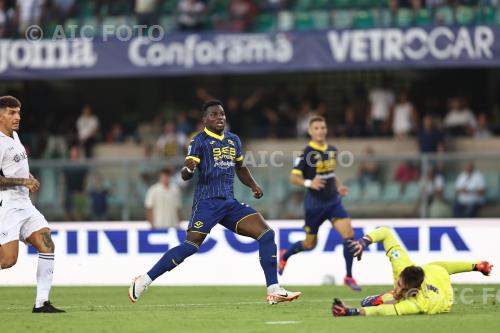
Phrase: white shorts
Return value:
(20, 223)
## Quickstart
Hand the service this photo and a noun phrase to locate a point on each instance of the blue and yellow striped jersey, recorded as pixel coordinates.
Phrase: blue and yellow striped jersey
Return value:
(317, 160)
(216, 156)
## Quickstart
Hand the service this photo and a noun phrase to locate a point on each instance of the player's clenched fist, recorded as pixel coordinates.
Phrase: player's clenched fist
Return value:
(32, 184)
(318, 183)
(190, 164)
(257, 192)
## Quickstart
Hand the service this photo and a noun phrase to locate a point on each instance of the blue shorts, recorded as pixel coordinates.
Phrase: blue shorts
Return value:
(316, 216)
(209, 212)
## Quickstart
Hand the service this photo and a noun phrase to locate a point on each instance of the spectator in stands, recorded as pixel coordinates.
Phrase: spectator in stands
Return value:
(381, 103)
(98, 196)
(63, 9)
(171, 142)
(459, 120)
(57, 143)
(182, 123)
(5, 19)
(483, 128)
(146, 11)
(470, 188)
(190, 15)
(29, 12)
(404, 117)
(242, 14)
(87, 126)
(369, 170)
(430, 138)
(115, 134)
(305, 113)
(163, 203)
(73, 182)
(406, 173)
(431, 187)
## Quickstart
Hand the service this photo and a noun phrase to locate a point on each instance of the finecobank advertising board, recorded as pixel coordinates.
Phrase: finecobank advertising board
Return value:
(91, 253)
(215, 53)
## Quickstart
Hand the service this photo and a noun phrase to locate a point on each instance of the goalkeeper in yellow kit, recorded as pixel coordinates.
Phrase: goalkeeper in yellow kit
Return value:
(417, 289)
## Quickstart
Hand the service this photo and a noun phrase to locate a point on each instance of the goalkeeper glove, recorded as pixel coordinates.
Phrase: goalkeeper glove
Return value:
(356, 247)
(483, 267)
(339, 309)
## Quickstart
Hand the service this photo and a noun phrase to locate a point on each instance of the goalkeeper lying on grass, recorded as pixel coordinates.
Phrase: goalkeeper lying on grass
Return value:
(417, 289)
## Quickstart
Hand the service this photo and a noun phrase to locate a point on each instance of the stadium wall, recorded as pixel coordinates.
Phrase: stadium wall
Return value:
(112, 254)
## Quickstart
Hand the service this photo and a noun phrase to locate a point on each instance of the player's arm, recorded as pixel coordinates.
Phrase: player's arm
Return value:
(192, 160)
(341, 188)
(245, 176)
(406, 307)
(31, 183)
(297, 176)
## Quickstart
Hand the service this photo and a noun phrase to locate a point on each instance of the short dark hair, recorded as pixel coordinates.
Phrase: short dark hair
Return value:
(315, 119)
(210, 103)
(9, 102)
(166, 171)
(412, 277)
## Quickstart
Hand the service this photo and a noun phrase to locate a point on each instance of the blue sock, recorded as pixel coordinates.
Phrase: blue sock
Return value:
(173, 258)
(294, 249)
(268, 260)
(348, 258)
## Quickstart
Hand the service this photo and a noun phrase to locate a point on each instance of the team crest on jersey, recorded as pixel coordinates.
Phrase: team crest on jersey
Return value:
(231, 142)
(18, 157)
(212, 142)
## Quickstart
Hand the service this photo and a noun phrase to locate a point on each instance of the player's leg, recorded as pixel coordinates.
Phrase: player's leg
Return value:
(8, 254)
(245, 221)
(204, 217)
(342, 224)
(313, 220)
(42, 242)
(454, 267)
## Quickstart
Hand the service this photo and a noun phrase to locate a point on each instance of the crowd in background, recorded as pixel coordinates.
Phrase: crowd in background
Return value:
(189, 15)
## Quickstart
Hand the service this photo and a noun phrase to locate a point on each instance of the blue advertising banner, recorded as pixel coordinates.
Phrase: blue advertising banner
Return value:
(210, 53)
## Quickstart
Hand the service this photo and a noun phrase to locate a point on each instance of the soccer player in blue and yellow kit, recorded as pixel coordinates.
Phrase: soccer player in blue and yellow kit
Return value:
(315, 170)
(417, 289)
(217, 156)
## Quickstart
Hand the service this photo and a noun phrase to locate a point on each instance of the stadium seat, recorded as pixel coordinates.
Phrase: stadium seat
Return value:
(364, 19)
(384, 18)
(423, 17)
(444, 15)
(465, 15)
(411, 192)
(285, 20)
(404, 18)
(392, 192)
(372, 192)
(339, 4)
(88, 8)
(366, 4)
(449, 191)
(264, 23)
(321, 20)
(322, 4)
(303, 21)
(486, 15)
(342, 19)
(303, 5)
(168, 23)
(168, 7)
(220, 6)
(354, 193)
(493, 187)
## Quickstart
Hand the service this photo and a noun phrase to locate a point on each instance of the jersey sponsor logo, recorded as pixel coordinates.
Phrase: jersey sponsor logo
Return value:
(224, 157)
(198, 224)
(325, 166)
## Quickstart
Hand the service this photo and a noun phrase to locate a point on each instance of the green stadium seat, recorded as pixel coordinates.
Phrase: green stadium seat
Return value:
(444, 15)
(168, 7)
(115, 21)
(91, 21)
(384, 18)
(264, 23)
(366, 4)
(423, 17)
(285, 20)
(354, 193)
(168, 23)
(321, 20)
(342, 4)
(449, 191)
(392, 192)
(219, 7)
(303, 21)
(404, 18)
(372, 192)
(411, 192)
(493, 187)
(465, 15)
(88, 8)
(486, 15)
(342, 19)
(303, 5)
(497, 16)
(322, 4)
(364, 19)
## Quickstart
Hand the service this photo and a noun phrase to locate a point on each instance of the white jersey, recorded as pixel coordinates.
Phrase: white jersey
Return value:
(13, 164)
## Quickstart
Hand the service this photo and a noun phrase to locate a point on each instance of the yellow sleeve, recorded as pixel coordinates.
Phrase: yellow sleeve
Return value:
(297, 172)
(402, 308)
(453, 267)
(194, 158)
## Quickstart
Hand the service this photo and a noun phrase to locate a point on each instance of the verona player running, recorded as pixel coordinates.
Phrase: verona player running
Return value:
(417, 289)
(315, 170)
(19, 219)
(216, 156)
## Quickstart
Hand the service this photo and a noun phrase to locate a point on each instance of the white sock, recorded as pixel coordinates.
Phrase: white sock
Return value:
(272, 288)
(44, 274)
(146, 280)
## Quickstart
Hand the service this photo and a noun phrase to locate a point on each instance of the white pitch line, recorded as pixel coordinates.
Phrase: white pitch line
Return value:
(179, 305)
(283, 322)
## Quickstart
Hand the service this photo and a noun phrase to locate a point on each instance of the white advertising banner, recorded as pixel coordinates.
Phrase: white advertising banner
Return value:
(91, 253)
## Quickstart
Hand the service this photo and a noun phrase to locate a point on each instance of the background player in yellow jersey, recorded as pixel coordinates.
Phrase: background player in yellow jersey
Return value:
(417, 289)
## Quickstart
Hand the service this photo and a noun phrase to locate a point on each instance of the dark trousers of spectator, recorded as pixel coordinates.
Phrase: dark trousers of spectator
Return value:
(461, 210)
(88, 147)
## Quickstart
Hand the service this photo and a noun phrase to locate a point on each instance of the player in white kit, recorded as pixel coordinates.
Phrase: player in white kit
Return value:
(19, 219)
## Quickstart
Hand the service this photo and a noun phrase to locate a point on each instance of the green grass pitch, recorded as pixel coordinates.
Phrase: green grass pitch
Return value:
(230, 309)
